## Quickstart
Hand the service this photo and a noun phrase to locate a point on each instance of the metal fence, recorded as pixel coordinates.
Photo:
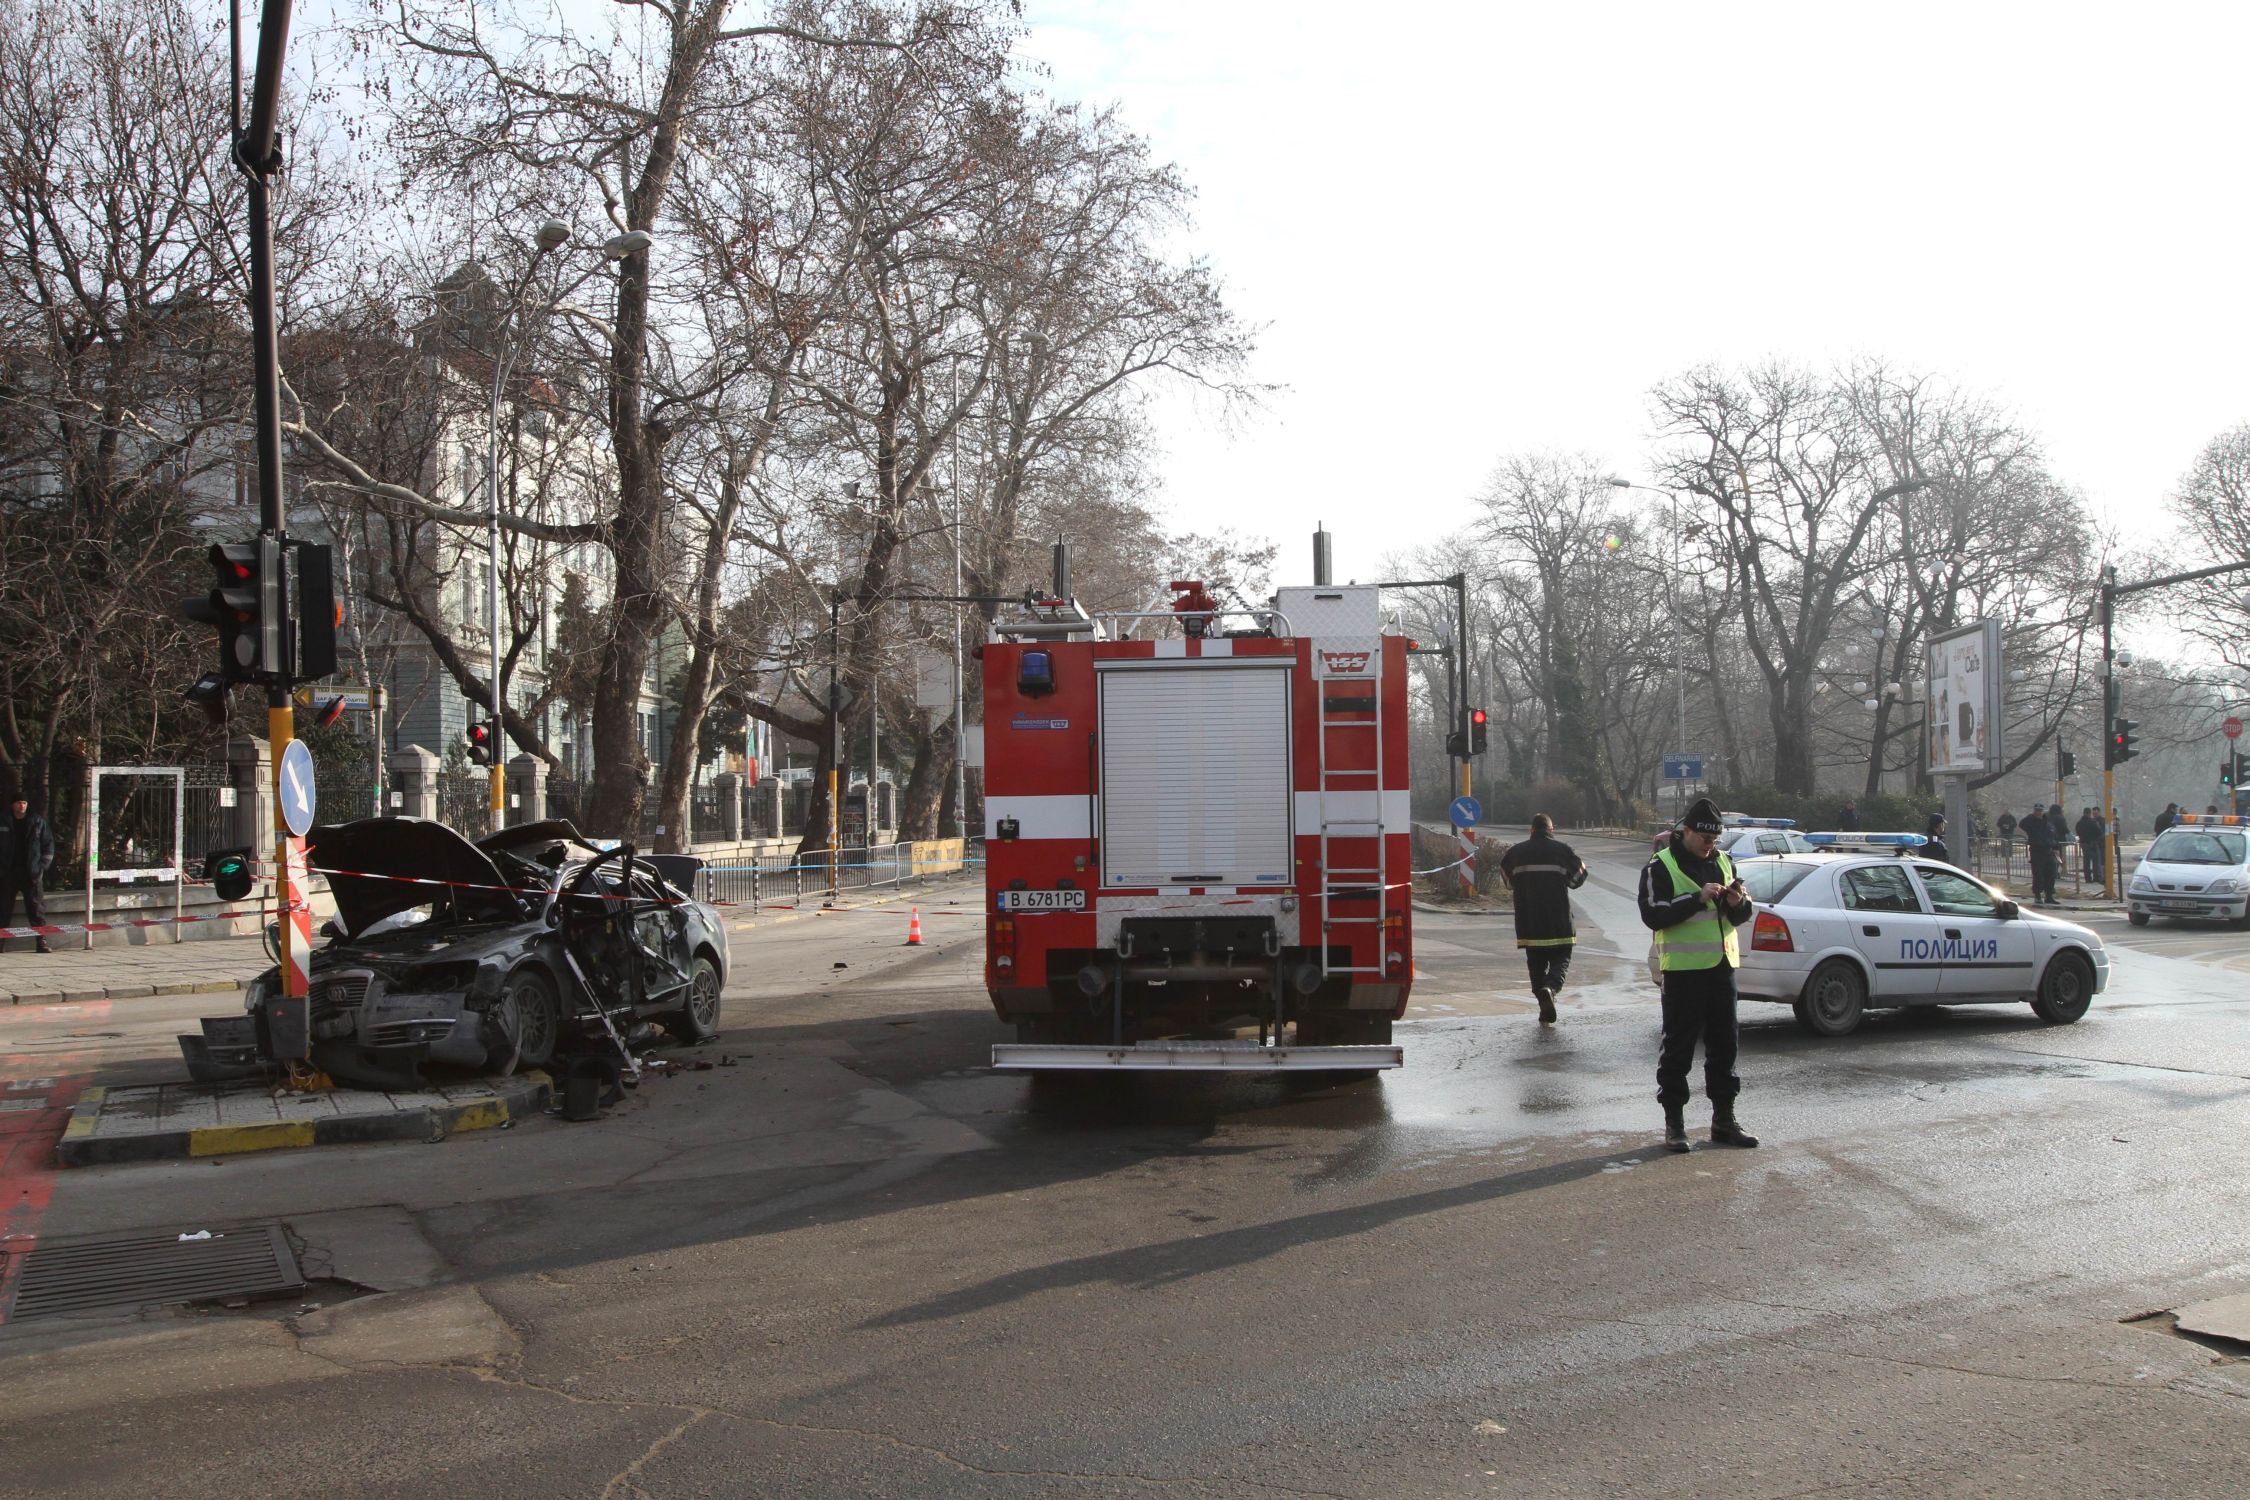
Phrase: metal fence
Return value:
(780, 877)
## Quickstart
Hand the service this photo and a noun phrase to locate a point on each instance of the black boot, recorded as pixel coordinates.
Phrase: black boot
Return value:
(1724, 1130)
(1675, 1128)
(1546, 1005)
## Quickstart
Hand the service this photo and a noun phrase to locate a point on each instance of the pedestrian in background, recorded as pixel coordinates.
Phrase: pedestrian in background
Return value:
(1693, 901)
(1933, 844)
(2040, 835)
(27, 848)
(2089, 832)
(1542, 872)
(1848, 819)
(2168, 817)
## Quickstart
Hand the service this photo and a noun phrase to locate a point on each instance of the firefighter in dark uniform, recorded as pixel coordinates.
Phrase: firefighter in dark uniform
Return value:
(1693, 901)
(1543, 872)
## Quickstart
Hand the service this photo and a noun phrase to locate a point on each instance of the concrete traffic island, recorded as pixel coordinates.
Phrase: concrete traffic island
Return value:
(169, 1121)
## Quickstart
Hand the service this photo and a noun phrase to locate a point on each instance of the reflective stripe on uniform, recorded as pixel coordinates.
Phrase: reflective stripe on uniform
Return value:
(1703, 939)
(1562, 942)
(1537, 870)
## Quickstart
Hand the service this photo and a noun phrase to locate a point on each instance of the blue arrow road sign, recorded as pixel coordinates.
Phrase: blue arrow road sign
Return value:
(1682, 766)
(1466, 812)
(297, 788)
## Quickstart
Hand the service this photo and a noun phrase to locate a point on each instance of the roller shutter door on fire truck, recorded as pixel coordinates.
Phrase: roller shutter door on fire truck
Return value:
(1195, 777)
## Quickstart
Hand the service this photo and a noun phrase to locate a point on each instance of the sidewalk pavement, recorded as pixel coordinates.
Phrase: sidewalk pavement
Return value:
(160, 968)
(74, 973)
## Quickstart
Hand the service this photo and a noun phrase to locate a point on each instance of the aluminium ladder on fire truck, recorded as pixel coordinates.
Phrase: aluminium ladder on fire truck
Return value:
(1351, 883)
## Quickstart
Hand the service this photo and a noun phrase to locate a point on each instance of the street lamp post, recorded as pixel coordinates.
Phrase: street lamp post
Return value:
(1671, 604)
(552, 236)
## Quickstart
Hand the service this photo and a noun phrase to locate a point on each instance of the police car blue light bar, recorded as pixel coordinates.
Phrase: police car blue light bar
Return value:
(1743, 820)
(1868, 840)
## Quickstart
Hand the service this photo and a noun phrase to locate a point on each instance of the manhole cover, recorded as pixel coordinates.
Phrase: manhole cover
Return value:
(62, 1278)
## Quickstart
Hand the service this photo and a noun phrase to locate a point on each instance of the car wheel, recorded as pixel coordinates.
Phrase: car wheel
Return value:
(534, 1020)
(2137, 918)
(700, 1017)
(1835, 998)
(2065, 990)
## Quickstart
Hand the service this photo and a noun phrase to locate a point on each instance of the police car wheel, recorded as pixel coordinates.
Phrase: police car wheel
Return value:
(2065, 990)
(2137, 918)
(1835, 999)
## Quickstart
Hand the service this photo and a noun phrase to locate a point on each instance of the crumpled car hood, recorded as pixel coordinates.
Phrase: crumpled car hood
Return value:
(356, 855)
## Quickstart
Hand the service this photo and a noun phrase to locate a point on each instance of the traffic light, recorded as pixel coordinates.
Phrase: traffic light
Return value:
(2230, 770)
(312, 585)
(2121, 740)
(236, 605)
(275, 608)
(1477, 717)
(228, 870)
(1457, 745)
(2066, 764)
(479, 736)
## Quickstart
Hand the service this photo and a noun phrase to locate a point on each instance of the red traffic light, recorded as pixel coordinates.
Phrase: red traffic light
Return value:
(1476, 716)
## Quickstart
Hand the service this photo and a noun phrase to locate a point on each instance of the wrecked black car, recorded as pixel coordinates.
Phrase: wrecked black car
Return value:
(486, 956)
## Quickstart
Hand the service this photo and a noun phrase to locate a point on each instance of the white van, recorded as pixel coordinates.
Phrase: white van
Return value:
(2199, 868)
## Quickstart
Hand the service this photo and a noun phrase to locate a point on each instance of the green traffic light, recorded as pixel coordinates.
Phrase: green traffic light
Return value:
(229, 872)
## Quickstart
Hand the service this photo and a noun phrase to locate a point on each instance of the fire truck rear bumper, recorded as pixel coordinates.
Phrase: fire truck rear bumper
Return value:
(1194, 1057)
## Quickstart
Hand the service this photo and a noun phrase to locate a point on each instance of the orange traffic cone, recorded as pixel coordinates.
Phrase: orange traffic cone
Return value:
(914, 929)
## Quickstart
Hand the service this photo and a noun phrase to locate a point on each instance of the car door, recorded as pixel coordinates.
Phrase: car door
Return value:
(1983, 952)
(1891, 930)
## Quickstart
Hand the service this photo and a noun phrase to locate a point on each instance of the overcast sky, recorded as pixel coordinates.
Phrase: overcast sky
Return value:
(1479, 229)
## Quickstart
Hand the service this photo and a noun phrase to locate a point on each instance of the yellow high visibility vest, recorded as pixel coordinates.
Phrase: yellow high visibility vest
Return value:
(1703, 939)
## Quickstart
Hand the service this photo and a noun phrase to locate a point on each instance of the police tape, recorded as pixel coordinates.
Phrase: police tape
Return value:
(65, 929)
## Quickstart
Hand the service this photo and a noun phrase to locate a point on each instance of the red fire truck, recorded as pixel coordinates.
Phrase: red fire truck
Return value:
(1196, 827)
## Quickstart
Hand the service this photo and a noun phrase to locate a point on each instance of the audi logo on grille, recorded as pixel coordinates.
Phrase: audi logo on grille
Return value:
(1345, 661)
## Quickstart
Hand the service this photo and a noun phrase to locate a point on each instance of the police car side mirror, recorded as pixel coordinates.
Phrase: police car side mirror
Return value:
(2008, 911)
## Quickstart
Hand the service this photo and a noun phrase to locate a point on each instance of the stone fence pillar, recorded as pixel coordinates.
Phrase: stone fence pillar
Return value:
(250, 777)
(414, 783)
(527, 790)
(728, 788)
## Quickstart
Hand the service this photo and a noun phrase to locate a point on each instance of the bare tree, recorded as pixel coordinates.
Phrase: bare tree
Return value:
(121, 367)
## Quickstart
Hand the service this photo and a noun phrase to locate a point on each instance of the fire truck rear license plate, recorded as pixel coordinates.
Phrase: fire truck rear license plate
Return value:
(1042, 900)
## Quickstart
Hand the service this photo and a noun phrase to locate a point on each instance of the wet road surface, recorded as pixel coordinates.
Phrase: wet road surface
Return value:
(859, 1263)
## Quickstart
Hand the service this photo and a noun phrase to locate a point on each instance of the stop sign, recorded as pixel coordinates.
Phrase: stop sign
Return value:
(2232, 728)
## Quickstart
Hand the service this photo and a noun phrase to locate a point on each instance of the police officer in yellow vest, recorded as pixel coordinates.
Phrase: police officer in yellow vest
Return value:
(1693, 901)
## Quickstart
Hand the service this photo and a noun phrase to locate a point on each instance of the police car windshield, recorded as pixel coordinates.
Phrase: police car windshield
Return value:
(2197, 846)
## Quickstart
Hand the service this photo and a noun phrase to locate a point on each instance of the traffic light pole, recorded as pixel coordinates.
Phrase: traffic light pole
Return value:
(2112, 591)
(836, 734)
(257, 153)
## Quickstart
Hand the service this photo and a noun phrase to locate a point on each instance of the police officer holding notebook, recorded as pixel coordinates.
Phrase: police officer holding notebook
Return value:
(1693, 901)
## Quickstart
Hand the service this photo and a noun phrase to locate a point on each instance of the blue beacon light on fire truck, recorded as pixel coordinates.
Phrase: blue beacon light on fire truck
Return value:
(1035, 673)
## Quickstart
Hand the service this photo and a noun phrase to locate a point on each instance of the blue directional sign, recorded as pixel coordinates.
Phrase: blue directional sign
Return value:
(1682, 765)
(1466, 812)
(297, 788)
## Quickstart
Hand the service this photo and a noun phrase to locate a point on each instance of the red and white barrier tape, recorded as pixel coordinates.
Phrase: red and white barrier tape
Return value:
(67, 928)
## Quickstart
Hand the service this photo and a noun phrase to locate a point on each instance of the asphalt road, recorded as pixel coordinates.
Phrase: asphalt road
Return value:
(856, 1262)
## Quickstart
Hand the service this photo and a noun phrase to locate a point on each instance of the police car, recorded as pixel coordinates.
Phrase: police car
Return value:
(1744, 837)
(2198, 870)
(1834, 936)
